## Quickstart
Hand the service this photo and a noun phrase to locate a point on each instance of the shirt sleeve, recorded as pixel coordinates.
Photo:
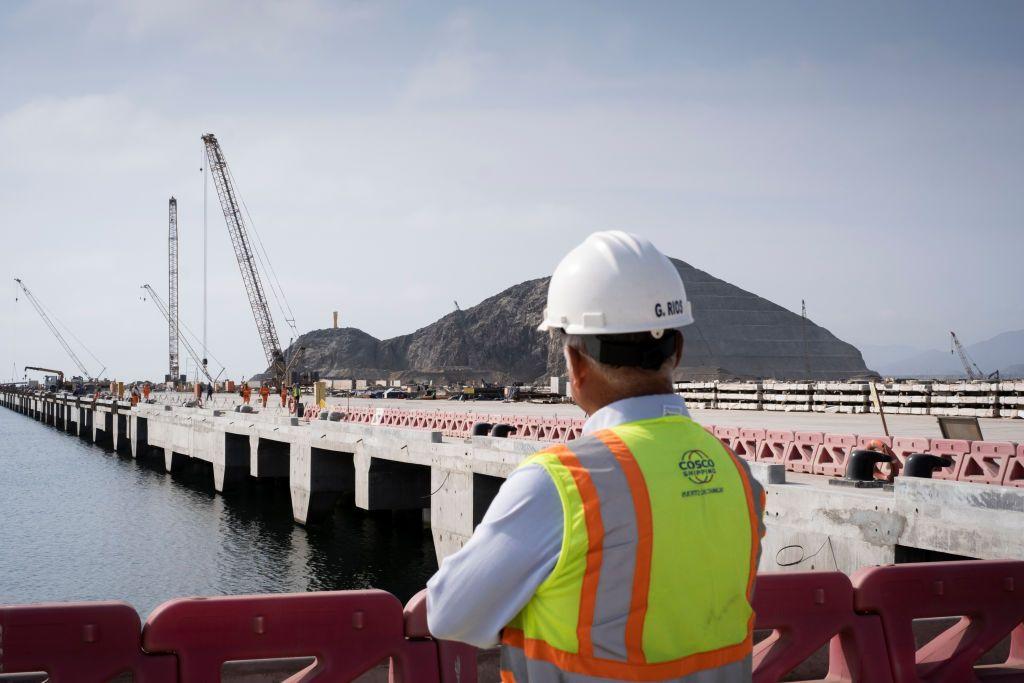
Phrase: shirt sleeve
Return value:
(479, 589)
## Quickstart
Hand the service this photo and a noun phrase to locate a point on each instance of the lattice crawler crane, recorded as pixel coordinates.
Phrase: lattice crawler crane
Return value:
(246, 256)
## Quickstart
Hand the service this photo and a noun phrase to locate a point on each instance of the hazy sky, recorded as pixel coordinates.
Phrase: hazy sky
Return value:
(868, 157)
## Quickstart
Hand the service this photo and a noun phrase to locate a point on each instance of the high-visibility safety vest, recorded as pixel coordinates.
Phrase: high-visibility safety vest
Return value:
(659, 547)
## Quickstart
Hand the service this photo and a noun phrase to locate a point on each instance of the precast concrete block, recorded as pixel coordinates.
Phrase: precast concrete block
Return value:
(451, 509)
(818, 527)
(318, 478)
(980, 521)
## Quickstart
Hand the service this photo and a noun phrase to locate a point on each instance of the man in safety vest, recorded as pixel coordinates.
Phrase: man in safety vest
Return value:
(630, 552)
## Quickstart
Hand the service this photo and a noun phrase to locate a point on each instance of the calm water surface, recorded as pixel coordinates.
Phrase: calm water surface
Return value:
(78, 522)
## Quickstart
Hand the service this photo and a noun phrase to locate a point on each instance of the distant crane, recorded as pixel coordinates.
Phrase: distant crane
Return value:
(172, 291)
(246, 256)
(56, 333)
(196, 358)
(58, 373)
(970, 367)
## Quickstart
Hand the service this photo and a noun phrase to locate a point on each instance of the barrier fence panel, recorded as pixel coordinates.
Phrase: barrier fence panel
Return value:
(348, 633)
(1015, 472)
(88, 641)
(986, 462)
(830, 459)
(987, 596)
(956, 449)
(748, 443)
(903, 446)
(801, 453)
(776, 444)
(456, 662)
(806, 610)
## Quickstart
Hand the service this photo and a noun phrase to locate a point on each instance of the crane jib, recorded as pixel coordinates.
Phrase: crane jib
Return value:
(245, 255)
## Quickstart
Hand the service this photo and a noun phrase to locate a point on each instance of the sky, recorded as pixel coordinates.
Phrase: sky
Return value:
(397, 157)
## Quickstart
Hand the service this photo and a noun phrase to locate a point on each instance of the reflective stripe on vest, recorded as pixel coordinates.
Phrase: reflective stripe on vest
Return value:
(660, 534)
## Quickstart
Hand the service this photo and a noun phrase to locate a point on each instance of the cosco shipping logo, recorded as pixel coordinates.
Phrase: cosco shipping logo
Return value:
(697, 466)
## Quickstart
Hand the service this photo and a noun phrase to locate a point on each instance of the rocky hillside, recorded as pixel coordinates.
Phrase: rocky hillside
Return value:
(737, 334)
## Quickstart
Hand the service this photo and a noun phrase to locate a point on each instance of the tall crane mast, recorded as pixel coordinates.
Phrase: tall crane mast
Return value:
(196, 358)
(56, 333)
(172, 289)
(245, 255)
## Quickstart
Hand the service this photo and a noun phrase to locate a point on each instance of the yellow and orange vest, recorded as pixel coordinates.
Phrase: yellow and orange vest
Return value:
(659, 547)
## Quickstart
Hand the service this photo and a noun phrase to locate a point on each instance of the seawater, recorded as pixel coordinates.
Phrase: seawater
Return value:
(78, 522)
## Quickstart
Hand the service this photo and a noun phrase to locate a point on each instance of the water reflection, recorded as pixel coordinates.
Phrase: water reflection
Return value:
(81, 523)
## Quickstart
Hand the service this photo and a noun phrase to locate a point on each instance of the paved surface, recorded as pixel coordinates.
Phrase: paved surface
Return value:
(993, 429)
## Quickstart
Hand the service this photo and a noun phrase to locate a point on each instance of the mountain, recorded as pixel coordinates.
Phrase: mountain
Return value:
(1004, 352)
(737, 334)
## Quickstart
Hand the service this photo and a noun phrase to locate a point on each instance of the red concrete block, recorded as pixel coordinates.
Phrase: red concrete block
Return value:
(984, 594)
(987, 462)
(806, 610)
(749, 443)
(773, 448)
(88, 641)
(801, 452)
(956, 449)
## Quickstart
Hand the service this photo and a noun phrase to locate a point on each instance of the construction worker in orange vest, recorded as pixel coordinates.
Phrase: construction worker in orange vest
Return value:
(264, 393)
(628, 554)
(246, 393)
(284, 395)
(145, 391)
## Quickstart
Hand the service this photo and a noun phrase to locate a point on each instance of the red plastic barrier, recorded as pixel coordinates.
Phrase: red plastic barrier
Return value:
(88, 641)
(776, 443)
(903, 446)
(830, 459)
(957, 449)
(575, 430)
(749, 443)
(348, 632)
(800, 454)
(805, 610)
(987, 461)
(986, 595)
(727, 435)
(1010, 669)
(456, 661)
(1015, 471)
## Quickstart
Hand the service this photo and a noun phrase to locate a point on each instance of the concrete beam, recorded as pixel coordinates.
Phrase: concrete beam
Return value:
(319, 478)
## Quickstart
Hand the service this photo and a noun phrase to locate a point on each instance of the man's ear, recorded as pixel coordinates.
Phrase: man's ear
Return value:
(679, 349)
(576, 365)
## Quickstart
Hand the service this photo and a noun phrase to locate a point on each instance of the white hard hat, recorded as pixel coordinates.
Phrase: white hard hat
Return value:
(616, 283)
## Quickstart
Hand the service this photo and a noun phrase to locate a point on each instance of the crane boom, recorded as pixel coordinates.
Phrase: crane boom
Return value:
(244, 254)
(184, 340)
(53, 328)
(172, 289)
(970, 367)
(58, 373)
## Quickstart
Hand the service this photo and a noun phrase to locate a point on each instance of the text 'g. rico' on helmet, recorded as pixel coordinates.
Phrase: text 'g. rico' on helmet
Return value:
(616, 283)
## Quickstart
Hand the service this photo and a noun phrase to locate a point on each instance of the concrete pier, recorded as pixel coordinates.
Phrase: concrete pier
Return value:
(810, 524)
